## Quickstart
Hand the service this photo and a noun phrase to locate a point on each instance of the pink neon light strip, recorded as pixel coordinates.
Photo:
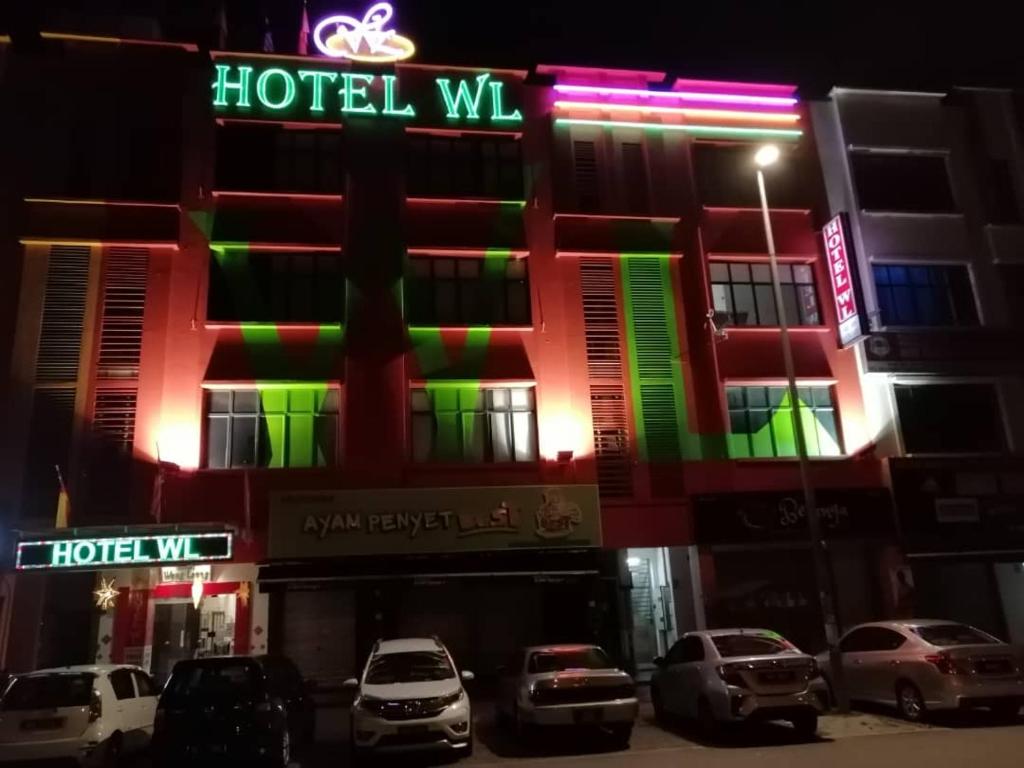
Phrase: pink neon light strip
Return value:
(714, 114)
(718, 86)
(277, 195)
(719, 98)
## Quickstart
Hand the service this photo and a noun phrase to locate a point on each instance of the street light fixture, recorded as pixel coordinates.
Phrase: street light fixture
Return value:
(766, 156)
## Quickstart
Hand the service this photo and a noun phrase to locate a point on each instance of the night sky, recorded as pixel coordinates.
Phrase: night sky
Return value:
(897, 44)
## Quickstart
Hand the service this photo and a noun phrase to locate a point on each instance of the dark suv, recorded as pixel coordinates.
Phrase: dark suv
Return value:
(250, 710)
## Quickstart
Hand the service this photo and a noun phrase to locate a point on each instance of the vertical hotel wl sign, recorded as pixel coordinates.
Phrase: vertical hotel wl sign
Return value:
(842, 271)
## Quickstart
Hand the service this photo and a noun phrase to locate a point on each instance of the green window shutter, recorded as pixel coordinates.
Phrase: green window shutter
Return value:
(659, 399)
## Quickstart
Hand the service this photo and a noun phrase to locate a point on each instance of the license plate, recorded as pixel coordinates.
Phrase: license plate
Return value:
(42, 724)
(588, 716)
(412, 729)
(774, 678)
(219, 749)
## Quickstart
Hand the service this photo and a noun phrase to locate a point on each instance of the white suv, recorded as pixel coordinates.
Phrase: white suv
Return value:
(410, 698)
(91, 714)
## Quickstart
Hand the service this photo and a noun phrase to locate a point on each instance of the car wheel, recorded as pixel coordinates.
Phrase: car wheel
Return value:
(621, 734)
(659, 705)
(706, 721)
(806, 725)
(910, 702)
(113, 751)
(1006, 710)
(284, 751)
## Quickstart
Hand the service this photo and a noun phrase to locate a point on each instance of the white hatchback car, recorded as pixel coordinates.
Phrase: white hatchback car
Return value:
(410, 698)
(91, 714)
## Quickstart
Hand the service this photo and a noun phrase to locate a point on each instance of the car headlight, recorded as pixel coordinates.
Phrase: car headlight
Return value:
(451, 698)
(369, 704)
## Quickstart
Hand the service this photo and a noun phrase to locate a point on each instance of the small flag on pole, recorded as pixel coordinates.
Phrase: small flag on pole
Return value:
(268, 37)
(303, 47)
(63, 501)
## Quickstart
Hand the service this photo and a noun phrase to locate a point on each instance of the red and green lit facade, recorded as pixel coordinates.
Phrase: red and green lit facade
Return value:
(370, 255)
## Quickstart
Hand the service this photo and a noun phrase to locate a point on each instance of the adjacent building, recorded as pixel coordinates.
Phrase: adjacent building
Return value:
(933, 187)
(328, 351)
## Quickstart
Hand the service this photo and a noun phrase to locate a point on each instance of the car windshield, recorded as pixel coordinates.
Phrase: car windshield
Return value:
(944, 635)
(49, 691)
(729, 646)
(561, 659)
(205, 681)
(409, 667)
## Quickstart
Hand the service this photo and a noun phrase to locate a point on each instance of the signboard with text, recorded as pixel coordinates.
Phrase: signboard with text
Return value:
(316, 91)
(427, 520)
(121, 551)
(842, 271)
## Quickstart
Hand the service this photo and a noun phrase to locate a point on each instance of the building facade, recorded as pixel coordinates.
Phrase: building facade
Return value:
(326, 352)
(933, 184)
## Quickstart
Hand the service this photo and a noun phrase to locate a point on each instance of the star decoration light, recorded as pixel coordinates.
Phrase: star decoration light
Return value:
(243, 592)
(106, 594)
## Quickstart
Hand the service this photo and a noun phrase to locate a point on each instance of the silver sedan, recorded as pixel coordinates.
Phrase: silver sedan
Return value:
(566, 685)
(738, 675)
(919, 665)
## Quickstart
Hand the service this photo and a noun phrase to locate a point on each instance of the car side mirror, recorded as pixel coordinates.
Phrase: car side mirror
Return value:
(659, 661)
(467, 676)
(351, 684)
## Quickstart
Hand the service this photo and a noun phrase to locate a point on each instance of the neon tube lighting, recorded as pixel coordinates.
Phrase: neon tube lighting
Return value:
(722, 98)
(288, 195)
(447, 328)
(275, 247)
(99, 243)
(616, 255)
(514, 253)
(465, 201)
(733, 85)
(220, 325)
(721, 114)
(727, 130)
(112, 203)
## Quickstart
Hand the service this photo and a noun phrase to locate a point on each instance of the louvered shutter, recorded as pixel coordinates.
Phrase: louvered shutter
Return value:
(654, 359)
(60, 335)
(124, 302)
(588, 195)
(604, 369)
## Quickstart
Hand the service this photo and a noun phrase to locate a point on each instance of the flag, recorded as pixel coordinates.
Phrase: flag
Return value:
(63, 501)
(268, 38)
(156, 503)
(222, 26)
(303, 47)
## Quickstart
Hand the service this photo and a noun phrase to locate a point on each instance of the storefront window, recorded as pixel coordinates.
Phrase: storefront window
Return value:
(474, 424)
(761, 422)
(271, 427)
(924, 295)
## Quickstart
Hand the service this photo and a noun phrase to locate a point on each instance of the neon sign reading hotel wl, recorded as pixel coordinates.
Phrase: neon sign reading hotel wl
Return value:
(281, 92)
(123, 550)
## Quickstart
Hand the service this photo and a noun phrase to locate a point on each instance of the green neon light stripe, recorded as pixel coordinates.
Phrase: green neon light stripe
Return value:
(254, 326)
(716, 130)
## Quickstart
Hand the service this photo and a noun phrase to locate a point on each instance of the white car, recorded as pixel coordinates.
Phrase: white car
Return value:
(567, 685)
(410, 698)
(91, 714)
(737, 676)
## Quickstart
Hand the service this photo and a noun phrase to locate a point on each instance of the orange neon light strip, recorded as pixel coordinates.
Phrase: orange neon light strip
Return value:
(191, 47)
(276, 247)
(112, 203)
(711, 114)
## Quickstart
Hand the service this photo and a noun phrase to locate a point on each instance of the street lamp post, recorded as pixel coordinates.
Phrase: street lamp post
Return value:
(766, 156)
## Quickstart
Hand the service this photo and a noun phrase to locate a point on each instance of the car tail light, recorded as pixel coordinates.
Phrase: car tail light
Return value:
(95, 706)
(945, 663)
(812, 670)
(731, 676)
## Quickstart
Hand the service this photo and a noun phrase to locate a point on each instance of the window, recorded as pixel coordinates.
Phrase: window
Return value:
(461, 291)
(474, 424)
(466, 166)
(275, 159)
(121, 682)
(726, 176)
(927, 295)
(948, 635)
(224, 680)
(271, 427)
(588, 192)
(761, 422)
(48, 691)
(692, 649)
(409, 667)
(561, 660)
(902, 183)
(731, 646)
(743, 290)
(1011, 277)
(949, 418)
(144, 684)
(868, 639)
(634, 177)
(276, 287)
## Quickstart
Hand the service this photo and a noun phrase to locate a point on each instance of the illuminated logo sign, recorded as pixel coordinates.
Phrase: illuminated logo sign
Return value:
(282, 91)
(346, 37)
(842, 271)
(123, 550)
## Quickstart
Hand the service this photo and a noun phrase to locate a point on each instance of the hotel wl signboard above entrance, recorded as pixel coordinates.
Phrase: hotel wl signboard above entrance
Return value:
(59, 552)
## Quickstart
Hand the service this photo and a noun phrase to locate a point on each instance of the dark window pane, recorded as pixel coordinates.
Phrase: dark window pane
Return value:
(217, 442)
(902, 183)
(243, 441)
(950, 418)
